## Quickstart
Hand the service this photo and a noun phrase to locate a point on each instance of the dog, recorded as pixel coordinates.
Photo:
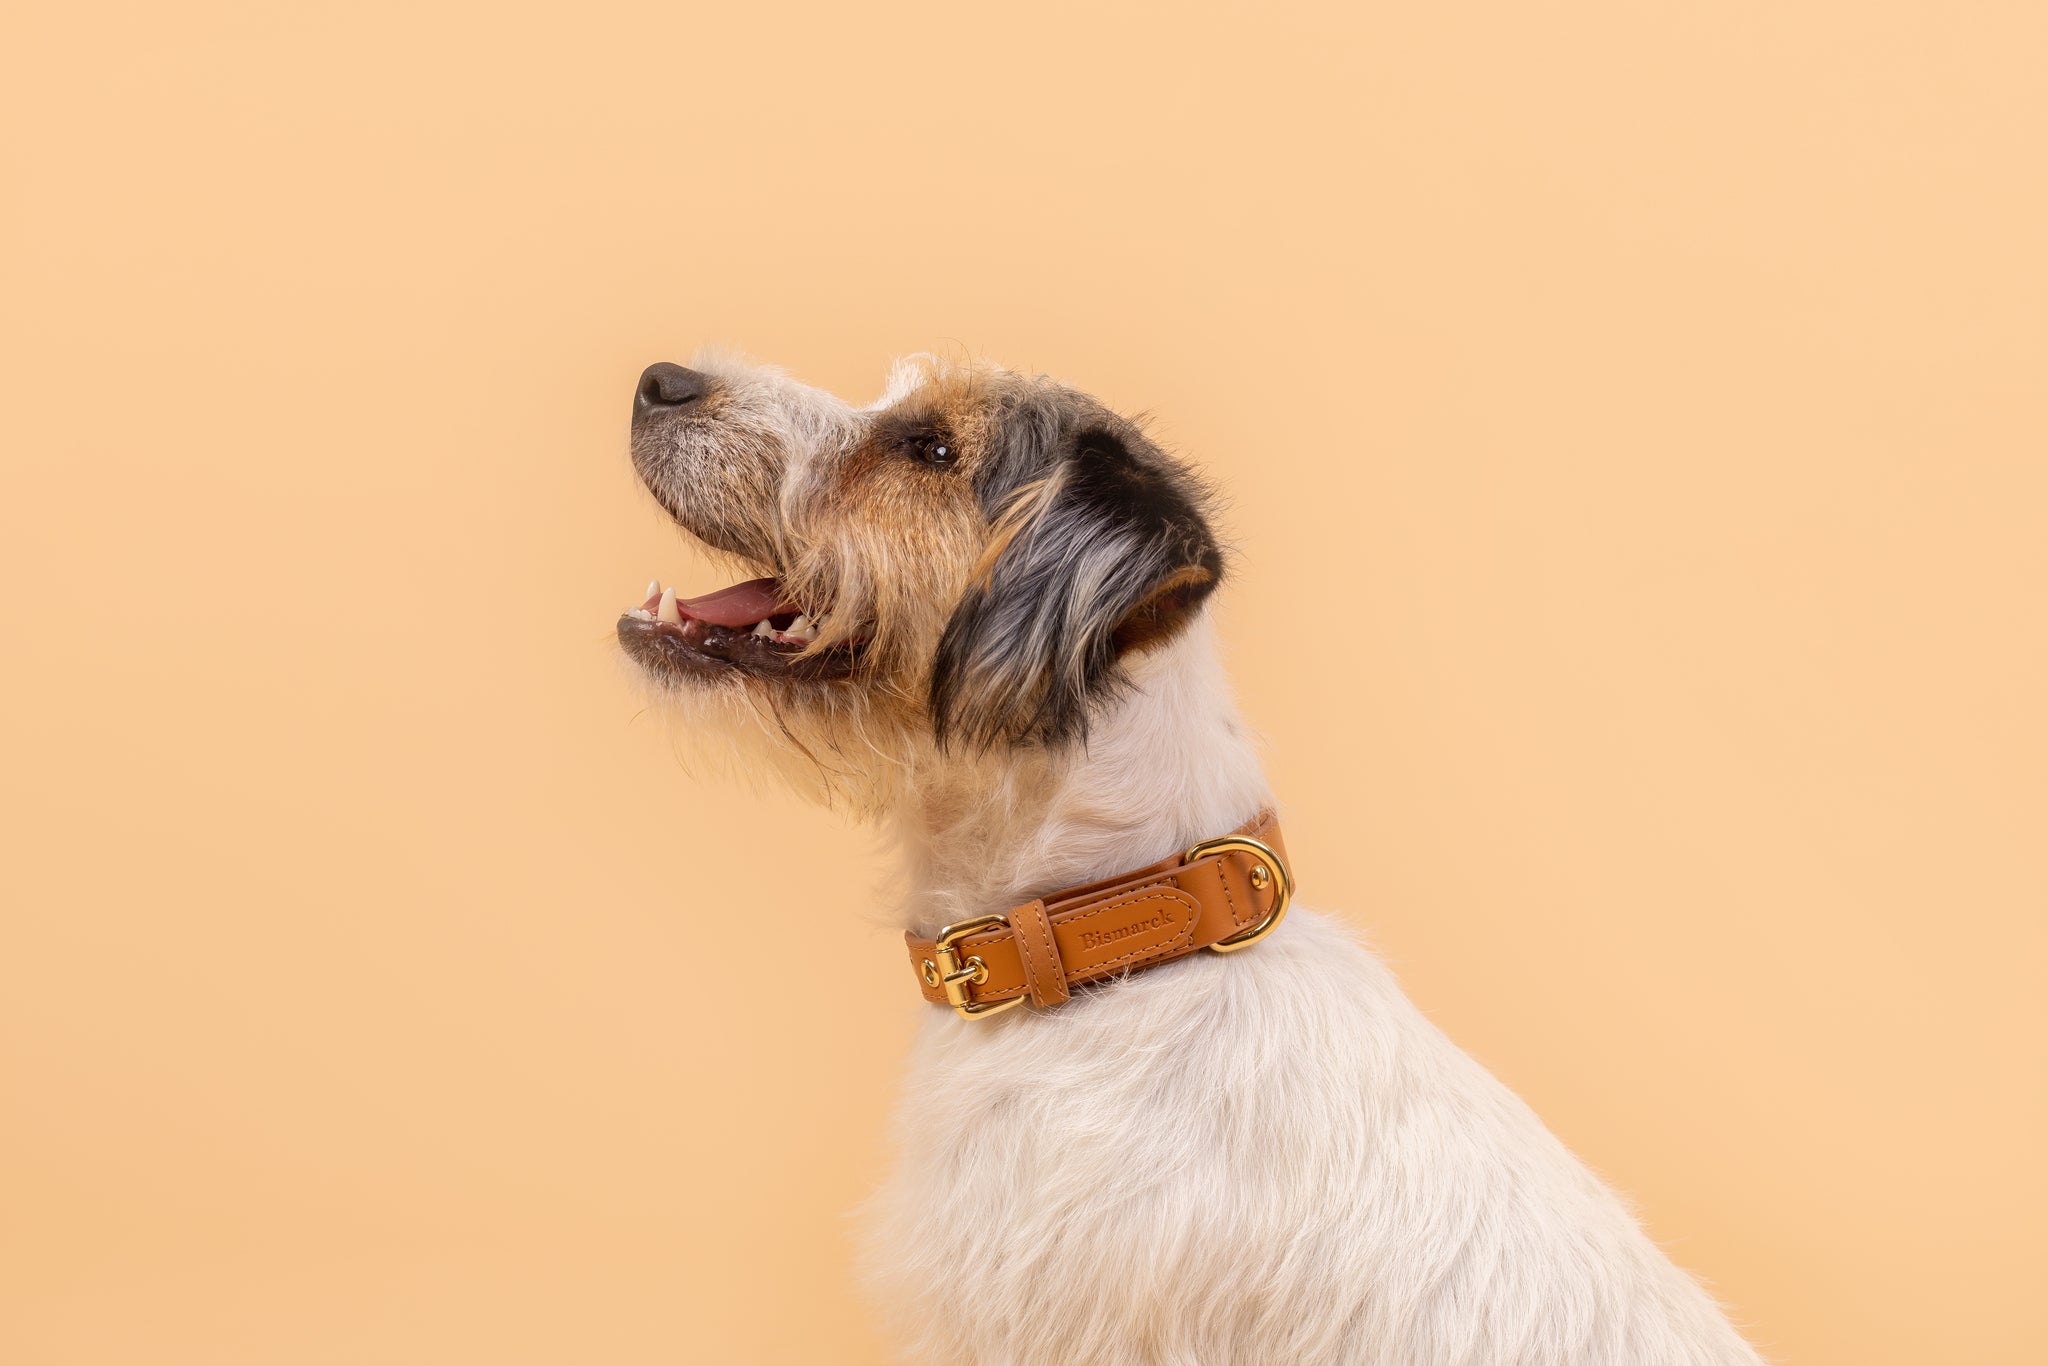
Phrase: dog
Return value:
(977, 613)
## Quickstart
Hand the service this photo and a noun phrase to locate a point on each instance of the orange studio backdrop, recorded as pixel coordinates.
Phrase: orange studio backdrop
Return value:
(1636, 426)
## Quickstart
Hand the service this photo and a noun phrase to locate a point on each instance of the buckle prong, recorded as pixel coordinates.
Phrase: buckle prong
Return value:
(955, 975)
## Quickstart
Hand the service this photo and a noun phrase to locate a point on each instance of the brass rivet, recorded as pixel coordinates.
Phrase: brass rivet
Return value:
(1260, 877)
(931, 973)
(980, 970)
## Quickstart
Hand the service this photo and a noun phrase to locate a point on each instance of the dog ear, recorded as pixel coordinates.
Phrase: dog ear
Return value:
(1108, 553)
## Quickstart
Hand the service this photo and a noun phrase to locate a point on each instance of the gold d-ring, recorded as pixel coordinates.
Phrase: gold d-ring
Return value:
(1283, 891)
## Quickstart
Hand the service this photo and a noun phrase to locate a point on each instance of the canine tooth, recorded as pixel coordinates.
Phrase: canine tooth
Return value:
(653, 587)
(667, 611)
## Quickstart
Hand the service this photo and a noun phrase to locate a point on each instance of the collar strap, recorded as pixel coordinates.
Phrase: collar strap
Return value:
(1223, 895)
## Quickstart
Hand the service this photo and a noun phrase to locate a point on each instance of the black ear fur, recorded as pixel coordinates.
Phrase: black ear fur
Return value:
(1112, 553)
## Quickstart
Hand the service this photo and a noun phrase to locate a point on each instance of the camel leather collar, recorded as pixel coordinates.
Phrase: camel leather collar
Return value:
(1222, 895)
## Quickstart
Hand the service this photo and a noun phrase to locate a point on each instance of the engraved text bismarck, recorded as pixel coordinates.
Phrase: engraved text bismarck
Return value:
(1102, 939)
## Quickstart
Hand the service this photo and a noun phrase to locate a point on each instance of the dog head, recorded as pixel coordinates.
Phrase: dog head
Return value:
(965, 566)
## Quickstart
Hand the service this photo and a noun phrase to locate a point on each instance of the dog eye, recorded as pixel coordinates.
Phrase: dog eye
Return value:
(935, 450)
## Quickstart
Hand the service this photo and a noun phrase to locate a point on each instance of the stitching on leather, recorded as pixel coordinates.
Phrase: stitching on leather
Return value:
(1165, 879)
(1032, 969)
(1051, 967)
(1175, 898)
(1228, 900)
(1146, 893)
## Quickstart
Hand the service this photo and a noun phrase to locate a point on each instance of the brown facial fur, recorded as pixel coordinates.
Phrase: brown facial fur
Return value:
(892, 536)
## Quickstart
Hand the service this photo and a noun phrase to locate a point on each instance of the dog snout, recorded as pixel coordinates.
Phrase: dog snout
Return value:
(665, 387)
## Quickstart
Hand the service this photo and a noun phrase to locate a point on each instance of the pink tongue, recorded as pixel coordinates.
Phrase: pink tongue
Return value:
(743, 604)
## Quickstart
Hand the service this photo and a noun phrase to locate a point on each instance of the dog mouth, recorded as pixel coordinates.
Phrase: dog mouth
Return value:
(751, 627)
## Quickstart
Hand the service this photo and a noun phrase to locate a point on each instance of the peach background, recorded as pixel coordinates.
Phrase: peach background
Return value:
(1635, 418)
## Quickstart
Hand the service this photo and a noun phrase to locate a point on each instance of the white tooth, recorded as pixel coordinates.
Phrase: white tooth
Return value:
(800, 625)
(667, 611)
(762, 628)
(653, 587)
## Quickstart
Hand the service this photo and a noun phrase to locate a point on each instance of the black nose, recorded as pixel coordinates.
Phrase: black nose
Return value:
(663, 385)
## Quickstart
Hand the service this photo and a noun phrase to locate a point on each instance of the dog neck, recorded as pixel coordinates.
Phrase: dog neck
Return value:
(1166, 763)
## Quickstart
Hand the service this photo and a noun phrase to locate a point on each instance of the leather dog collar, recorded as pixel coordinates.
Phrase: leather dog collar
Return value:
(1223, 895)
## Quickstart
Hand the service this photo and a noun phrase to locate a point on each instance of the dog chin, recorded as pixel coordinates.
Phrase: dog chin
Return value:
(752, 692)
(695, 652)
(824, 742)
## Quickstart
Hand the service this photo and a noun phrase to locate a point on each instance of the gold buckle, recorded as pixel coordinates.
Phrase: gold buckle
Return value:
(955, 976)
(1270, 866)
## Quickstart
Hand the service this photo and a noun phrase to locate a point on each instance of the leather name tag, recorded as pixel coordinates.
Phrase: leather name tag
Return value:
(1132, 929)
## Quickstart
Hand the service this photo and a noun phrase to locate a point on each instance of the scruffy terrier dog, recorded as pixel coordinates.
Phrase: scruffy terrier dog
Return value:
(983, 623)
